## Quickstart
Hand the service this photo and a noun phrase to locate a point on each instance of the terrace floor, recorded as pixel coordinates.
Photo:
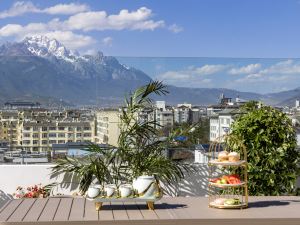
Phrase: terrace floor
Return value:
(283, 210)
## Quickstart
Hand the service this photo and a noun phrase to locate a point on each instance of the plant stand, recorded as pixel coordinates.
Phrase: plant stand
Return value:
(100, 200)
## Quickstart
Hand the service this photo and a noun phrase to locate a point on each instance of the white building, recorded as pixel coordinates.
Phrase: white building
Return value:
(200, 154)
(221, 122)
(108, 126)
(182, 113)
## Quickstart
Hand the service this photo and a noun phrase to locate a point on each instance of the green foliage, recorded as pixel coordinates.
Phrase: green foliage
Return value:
(139, 142)
(140, 150)
(196, 133)
(271, 150)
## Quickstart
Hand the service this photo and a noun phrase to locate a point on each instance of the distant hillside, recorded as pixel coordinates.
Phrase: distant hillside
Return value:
(42, 69)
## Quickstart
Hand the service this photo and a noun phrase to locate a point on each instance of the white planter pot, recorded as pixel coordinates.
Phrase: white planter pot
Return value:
(125, 190)
(110, 190)
(145, 186)
(94, 191)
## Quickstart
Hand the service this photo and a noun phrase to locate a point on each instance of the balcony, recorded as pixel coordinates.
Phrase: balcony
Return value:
(190, 208)
(179, 210)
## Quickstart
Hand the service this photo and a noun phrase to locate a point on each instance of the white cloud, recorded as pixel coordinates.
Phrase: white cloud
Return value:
(85, 21)
(70, 39)
(251, 68)
(66, 9)
(19, 8)
(175, 28)
(209, 69)
(192, 76)
(99, 20)
(283, 67)
(22, 7)
(107, 41)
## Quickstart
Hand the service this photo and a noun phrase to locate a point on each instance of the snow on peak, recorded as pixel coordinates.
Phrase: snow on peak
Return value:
(44, 46)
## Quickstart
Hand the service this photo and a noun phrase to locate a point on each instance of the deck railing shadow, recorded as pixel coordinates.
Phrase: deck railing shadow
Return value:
(264, 204)
(4, 198)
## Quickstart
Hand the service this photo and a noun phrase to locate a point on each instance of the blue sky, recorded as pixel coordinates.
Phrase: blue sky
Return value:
(250, 29)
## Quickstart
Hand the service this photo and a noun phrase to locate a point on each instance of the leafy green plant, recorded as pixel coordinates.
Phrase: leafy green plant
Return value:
(271, 150)
(140, 150)
(139, 142)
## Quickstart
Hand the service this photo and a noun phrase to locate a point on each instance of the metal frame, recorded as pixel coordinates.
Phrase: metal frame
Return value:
(227, 190)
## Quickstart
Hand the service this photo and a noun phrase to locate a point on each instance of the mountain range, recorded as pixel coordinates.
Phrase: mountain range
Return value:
(42, 69)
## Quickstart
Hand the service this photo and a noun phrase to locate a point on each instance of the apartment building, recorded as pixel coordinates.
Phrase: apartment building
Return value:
(220, 122)
(182, 113)
(37, 130)
(163, 114)
(9, 127)
(40, 136)
(108, 126)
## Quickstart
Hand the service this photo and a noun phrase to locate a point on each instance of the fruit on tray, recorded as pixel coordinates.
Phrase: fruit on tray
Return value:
(230, 179)
(232, 201)
(225, 156)
(220, 201)
(227, 202)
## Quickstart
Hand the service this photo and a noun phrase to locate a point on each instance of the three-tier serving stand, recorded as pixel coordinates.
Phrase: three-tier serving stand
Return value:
(217, 169)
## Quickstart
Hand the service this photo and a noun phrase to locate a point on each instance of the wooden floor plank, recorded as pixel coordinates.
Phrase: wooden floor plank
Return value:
(35, 211)
(163, 211)
(119, 211)
(50, 209)
(133, 211)
(90, 213)
(177, 208)
(22, 210)
(77, 210)
(147, 213)
(63, 210)
(106, 212)
(9, 209)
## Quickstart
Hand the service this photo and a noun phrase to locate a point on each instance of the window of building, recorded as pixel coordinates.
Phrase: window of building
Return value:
(26, 142)
(44, 128)
(78, 128)
(61, 135)
(228, 121)
(52, 128)
(44, 135)
(52, 134)
(26, 128)
(27, 135)
(35, 142)
(70, 128)
(35, 135)
(52, 141)
(87, 135)
(61, 141)
(35, 128)
(87, 128)
(61, 128)
(78, 135)
(44, 142)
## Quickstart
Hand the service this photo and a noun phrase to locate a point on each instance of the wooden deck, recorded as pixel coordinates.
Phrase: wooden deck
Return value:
(185, 211)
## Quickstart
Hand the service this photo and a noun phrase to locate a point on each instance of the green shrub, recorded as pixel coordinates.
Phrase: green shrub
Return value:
(271, 143)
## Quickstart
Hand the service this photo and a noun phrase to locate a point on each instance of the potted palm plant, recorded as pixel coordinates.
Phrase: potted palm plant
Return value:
(140, 156)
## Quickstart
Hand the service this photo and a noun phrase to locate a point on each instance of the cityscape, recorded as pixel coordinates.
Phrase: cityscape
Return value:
(149, 112)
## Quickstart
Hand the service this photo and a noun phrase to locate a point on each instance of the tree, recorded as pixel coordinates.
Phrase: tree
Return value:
(271, 144)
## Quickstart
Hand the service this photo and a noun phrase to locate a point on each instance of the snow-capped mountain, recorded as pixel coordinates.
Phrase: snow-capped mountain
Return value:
(40, 65)
(45, 47)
